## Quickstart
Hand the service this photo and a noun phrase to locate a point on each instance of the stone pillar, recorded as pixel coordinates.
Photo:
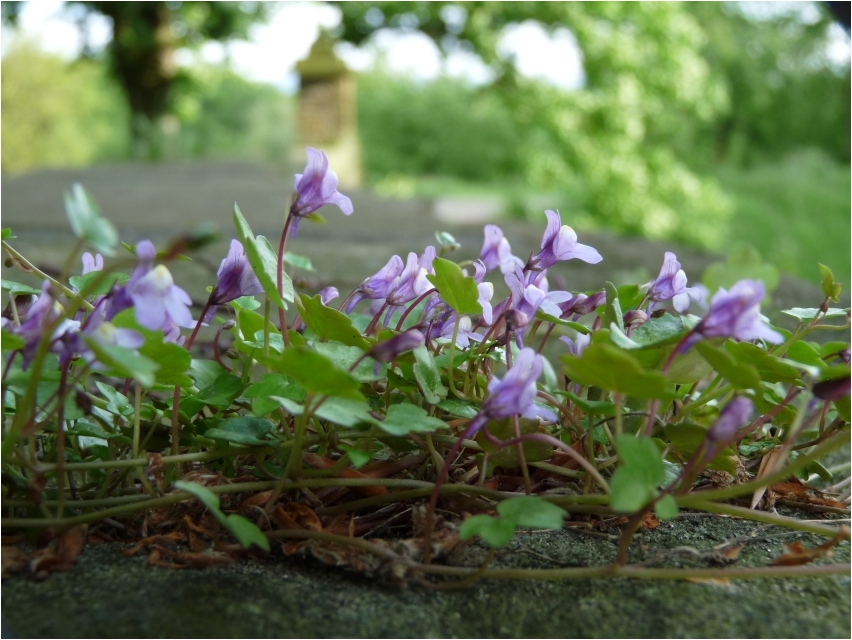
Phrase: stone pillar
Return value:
(327, 116)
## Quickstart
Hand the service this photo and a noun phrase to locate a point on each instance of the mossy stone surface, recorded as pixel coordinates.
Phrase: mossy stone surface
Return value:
(109, 595)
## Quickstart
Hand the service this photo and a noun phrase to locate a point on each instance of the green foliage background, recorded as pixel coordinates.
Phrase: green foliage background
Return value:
(697, 122)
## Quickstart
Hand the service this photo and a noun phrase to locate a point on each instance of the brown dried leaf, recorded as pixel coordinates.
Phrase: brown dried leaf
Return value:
(14, 559)
(61, 553)
(155, 469)
(796, 553)
(717, 582)
(256, 500)
(731, 553)
(650, 521)
(174, 536)
(304, 516)
(769, 464)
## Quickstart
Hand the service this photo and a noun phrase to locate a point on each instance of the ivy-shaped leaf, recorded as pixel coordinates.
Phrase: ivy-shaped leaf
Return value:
(330, 324)
(406, 418)
(316, 373)
(428, 376)
(87, 223)
(606, 367)
(264, 262)
(456, 289)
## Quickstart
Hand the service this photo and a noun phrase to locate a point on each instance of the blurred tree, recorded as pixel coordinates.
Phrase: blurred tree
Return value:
(646, 78)
(141, 52)
(39, 129)
(439, 128)
(784, 92)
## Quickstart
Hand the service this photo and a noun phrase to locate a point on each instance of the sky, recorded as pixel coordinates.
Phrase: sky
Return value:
(272, 50)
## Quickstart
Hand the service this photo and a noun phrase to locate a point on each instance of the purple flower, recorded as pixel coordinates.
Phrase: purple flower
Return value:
(379, 285)
(635, 317)
(156, 297)
(832, 390)
(732, 418)
(328, 294)
(316, 187)
(736, 314)
(581, 304)
(92, 263)
(496, 251)
(390, 350)
(529, 298)
(43, 312)
(560, 243)
(514, 394)
(236, 278)
(98, 330)
(578, 345)
(671, 285)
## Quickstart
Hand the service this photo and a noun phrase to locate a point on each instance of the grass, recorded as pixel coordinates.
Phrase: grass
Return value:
(795, 212)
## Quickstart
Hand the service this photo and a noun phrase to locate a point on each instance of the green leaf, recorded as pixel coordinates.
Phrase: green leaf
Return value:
(7, 234)
(276, 342)
(635, 481)
(173, 359)
(806, 315)
(740, 375)
(125, 362)
(89, 430)
(244, 302)
(207, 497)
(593, 407)
(358, 457)
(666, 508)
(87, 223)
(665, 330)
(300, 262)
(246, 430)
(541, 315)
(428, 376)
(532, 512)
(272, 384)
(14, 288)
(222, 391)
(456, 289)
(330, 324)
(742, 262)
(507, 457)
(10, 341)
(406, 418)
(830, 288)
(605, 366)
(806, 353)
(496, 532)
(344, 357)
(630, 295)
(314, 372)
(82, 282)
(245, 531)
(251, 323)
(612, 310)
(117, 402)
(686, 438)
(264, 262)
(345, 412)
(771, 368)
(204, 372)
(446, 240)
(459, 408)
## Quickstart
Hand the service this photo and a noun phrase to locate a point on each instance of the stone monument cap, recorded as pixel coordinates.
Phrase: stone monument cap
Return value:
(322, 62)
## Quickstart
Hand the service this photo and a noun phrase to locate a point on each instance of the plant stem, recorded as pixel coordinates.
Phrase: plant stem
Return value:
(282, 313)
